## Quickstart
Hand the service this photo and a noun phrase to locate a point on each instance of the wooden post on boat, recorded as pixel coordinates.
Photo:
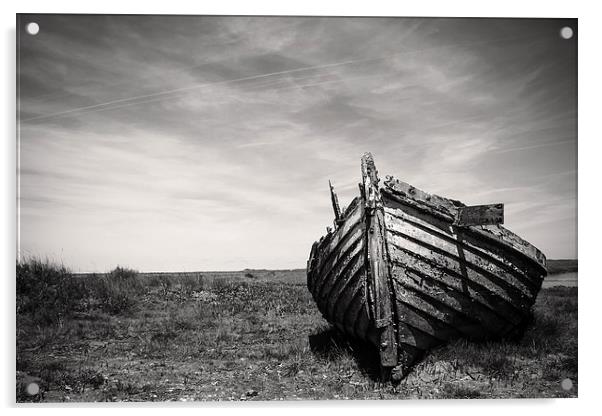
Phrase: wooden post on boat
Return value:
(335, 205)
(379, 290)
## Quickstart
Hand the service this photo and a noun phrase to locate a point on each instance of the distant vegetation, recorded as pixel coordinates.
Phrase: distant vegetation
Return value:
(562, 266)
(135, 336)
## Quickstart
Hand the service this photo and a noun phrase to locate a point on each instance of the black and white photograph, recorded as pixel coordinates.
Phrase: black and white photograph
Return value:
(293, 208)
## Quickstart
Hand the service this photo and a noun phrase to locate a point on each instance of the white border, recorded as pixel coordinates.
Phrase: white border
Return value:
(590, 112)
(459, 8)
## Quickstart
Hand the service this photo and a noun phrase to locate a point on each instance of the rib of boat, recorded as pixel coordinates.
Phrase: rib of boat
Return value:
(406, 271)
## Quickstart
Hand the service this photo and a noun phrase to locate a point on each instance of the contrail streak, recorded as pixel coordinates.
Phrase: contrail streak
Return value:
(156, 99)
(198, 86)
(161, 98)
(165, 94)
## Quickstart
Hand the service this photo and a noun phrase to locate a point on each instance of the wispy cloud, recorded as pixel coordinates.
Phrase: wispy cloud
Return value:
(181, 143)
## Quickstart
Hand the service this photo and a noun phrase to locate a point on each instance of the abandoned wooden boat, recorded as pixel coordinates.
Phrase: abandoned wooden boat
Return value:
(406, 270)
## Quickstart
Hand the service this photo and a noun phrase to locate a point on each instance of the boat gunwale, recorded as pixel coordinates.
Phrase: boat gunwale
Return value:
(512, 314)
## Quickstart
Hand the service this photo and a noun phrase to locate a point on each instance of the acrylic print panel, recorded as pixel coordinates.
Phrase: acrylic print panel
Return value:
(178, 239)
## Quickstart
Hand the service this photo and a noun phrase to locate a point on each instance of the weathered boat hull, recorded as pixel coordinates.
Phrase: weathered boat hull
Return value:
(403, 271)
(337, 277)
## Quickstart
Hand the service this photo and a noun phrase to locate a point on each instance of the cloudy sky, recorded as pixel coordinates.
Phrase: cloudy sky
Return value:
(206, 143)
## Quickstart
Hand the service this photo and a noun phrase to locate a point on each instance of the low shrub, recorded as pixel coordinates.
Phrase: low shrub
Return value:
(117, 291)
(47, 292)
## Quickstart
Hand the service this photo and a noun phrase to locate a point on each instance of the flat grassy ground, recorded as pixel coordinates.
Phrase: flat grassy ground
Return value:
(257, 335)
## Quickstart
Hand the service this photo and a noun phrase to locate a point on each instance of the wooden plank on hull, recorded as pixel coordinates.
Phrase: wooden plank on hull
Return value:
(331, 245)
(426, 323)
(449, 307)
(469, 272)
(429, 305)
(523, 269)
(330, 303)
(354, 221)
(503, 235)
(413, 330)
(330, 259)
(459, 292)
(349, 261)
(533, 273)
(508, 278)
(452, 280)
(353, 274)
(352, 296)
